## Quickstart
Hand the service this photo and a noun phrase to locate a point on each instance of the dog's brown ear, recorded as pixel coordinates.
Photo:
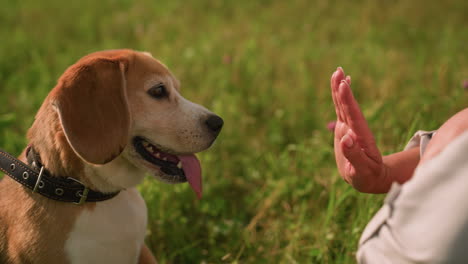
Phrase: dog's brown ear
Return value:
(92, 105)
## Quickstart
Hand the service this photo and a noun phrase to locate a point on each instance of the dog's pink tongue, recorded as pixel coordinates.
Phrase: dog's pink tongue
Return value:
(192, 170)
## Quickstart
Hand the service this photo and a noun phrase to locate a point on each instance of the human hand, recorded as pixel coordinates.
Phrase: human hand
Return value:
(358, 159)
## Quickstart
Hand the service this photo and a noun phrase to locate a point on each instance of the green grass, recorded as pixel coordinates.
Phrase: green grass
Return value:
(272, 192)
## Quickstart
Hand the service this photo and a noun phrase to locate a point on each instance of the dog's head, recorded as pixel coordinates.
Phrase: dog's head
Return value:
(122, 113)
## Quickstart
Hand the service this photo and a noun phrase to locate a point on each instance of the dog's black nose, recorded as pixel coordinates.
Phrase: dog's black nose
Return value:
(214, 123)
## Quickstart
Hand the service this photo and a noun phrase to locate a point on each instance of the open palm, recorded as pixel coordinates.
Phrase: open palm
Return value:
(358, 159)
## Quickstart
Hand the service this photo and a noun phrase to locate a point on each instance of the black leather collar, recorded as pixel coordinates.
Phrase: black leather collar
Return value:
(39, 180)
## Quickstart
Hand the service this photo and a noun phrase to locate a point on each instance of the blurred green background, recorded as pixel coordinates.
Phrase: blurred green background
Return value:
(271, 190)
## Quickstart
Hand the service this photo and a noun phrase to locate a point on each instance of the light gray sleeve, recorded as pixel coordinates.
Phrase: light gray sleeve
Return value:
(426, 219)
(420, 139)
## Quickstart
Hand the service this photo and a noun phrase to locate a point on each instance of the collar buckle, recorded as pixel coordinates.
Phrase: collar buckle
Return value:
(39, 183)
(83, 194)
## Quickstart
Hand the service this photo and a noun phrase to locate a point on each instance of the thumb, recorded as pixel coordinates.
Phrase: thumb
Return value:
(352, 151)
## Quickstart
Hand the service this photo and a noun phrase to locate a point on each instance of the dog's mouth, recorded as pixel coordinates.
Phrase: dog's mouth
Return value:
(178, 168)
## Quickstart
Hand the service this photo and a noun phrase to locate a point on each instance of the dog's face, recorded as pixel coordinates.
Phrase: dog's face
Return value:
(142, 123)
(165, 125)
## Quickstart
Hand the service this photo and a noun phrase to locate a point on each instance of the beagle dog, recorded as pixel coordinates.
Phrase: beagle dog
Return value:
(113, 117)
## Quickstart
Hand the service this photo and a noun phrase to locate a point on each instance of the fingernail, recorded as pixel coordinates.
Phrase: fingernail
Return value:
(348, 141)
(339, 68)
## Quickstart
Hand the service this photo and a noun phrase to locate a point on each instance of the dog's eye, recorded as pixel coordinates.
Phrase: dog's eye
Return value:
(158, 91)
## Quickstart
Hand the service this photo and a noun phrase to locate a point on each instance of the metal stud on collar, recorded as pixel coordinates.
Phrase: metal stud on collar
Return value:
(59, 191)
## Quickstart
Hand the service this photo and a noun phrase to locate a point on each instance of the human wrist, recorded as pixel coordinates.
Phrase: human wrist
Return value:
(381, 182)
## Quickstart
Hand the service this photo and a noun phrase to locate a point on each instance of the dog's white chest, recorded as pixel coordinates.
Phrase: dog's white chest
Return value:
(113, 232)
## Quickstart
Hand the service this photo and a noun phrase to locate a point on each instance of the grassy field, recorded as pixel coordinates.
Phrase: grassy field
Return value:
(271, 190)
